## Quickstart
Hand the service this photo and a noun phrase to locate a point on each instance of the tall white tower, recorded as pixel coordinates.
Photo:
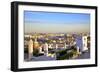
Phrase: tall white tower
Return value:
(30, 49)
(46, 49)
(84, 39)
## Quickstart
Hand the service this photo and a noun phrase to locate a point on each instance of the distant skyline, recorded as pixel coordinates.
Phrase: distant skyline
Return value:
(56, 22)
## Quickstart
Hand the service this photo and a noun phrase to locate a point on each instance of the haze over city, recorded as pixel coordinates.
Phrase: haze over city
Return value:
(54, 22)
(56, 36)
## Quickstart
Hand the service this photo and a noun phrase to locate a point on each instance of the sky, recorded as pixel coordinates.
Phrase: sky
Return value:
(56, 22)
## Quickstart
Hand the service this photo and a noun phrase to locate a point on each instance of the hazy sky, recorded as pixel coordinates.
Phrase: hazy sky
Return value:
(52, 22)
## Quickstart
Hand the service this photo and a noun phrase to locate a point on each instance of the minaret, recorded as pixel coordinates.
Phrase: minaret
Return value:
(46, 49)
(30, 49)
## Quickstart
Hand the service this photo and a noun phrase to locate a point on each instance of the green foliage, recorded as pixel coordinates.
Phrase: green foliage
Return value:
(64, 54)
(35, 52)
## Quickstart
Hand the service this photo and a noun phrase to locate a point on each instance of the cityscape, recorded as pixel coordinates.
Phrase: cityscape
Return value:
(56, 36)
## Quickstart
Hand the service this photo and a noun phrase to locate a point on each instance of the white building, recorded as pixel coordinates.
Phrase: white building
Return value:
(84, 40)
(65, 46)
(56, 46)
(40, 49)
(46, 49)
(50, 46)
(30, 49)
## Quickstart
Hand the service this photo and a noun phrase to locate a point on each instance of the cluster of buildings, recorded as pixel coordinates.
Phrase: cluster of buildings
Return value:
(45, 42)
